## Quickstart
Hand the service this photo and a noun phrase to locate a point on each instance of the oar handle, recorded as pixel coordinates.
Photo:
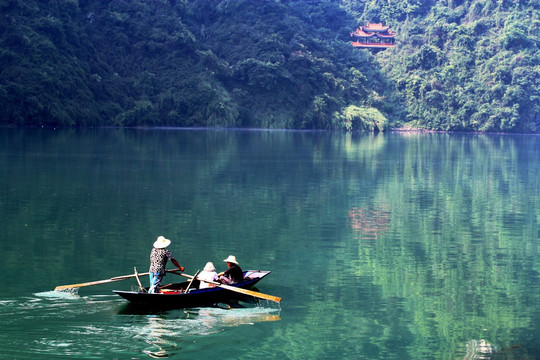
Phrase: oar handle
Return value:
(174, 271)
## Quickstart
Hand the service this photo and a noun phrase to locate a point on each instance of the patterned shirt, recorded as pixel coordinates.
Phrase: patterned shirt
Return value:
(158, 260)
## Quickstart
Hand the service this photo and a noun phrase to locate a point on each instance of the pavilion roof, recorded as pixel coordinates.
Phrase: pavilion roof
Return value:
(376, 27)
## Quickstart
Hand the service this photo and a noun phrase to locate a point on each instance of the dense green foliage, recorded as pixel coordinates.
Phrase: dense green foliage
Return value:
(463, 64)
(459, 65)
(178, 63)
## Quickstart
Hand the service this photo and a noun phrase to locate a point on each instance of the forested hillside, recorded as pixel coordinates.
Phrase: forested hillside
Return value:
(458, 65)
(186, 63)
(463, 64)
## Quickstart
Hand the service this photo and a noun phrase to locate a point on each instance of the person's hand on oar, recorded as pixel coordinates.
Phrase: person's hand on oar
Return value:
(173, 260)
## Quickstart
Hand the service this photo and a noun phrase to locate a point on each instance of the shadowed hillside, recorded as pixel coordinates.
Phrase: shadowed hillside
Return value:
(179, 63)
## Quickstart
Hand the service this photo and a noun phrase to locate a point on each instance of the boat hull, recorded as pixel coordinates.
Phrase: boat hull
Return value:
(176, 297)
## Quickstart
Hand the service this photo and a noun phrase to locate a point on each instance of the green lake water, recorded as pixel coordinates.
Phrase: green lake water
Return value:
(389, 246)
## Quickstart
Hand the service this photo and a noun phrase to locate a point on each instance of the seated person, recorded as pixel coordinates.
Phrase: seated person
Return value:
(209, 273)
(233, 274)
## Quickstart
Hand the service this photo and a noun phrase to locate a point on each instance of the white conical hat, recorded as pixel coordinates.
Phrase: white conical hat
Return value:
(161, 242)
(231, 259)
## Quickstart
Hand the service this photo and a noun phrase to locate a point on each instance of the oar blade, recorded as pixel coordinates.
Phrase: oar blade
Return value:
(253, 293)
(73, 286)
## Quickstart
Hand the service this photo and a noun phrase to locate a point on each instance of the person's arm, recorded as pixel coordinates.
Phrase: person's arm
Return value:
(173, 260)
(225, 273)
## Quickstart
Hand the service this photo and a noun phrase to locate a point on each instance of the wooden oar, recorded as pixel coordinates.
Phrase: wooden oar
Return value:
(191, 281)
(237, 289)
(138, 280)
(116, 278)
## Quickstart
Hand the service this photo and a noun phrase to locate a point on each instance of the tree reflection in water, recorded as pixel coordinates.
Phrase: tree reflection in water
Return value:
(165, 334)
(483, 350)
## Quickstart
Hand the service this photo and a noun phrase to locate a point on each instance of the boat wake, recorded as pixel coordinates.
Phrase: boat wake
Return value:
(58, 294)
(61, 320)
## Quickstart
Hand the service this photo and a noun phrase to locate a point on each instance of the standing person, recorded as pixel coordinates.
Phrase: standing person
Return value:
(233, 274)
(209, 273)
(158, 259)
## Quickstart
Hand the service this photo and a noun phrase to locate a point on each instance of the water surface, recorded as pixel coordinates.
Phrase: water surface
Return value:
(390, 246)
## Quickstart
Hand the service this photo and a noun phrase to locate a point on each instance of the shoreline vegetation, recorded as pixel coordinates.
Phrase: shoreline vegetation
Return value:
(404, 129)
(460, 66)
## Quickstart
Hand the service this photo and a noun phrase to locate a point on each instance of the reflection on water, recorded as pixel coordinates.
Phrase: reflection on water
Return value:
(480, 349)
(156, 334)
(70, 318)
(369, 223)
(217, 318)
(162, 331)
(483, 350)
(388, 246)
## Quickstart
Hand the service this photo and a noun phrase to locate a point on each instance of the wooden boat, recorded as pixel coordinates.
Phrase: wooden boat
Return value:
(187, 294)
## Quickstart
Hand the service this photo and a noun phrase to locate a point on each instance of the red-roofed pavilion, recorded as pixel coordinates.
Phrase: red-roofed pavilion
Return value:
(375, 36)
